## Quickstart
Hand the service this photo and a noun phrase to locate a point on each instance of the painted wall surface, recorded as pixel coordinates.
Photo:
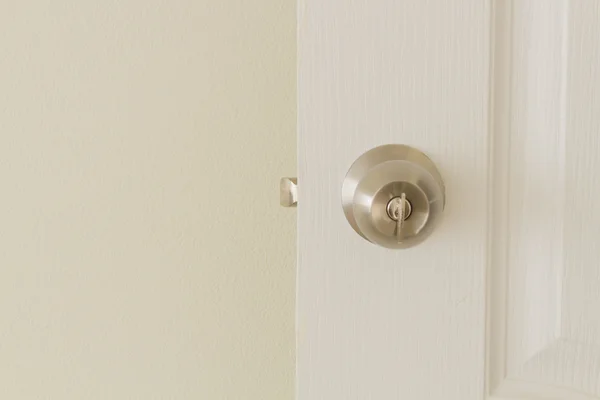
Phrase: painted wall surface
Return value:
(143, 253)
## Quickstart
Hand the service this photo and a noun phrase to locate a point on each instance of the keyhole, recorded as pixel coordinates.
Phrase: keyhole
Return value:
(393, 208)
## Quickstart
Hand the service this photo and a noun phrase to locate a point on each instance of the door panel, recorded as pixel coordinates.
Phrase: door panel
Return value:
(545, 298)
(502, 301)
(376, 323)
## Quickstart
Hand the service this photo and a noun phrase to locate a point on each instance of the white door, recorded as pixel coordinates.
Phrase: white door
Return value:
(503, 299)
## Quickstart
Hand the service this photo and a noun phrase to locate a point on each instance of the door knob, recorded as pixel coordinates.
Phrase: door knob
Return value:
(393, 196)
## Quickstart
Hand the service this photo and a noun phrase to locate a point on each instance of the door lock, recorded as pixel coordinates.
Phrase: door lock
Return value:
(393, 196)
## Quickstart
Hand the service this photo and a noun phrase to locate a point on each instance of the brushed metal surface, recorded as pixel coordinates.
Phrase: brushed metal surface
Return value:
(382, 174)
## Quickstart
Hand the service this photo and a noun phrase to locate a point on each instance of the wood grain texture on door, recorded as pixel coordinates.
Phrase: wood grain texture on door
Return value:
(503, 300)
(376, 323)
(545, 275)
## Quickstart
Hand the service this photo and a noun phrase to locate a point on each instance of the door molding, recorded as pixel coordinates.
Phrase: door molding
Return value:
(544, 339)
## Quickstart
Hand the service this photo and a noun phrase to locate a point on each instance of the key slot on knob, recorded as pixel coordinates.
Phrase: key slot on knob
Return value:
(399, 209)
(393, 208)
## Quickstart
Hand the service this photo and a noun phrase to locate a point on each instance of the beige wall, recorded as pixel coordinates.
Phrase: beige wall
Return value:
(143, 254)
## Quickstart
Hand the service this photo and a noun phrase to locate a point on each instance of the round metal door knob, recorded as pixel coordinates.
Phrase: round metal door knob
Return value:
(393, 196)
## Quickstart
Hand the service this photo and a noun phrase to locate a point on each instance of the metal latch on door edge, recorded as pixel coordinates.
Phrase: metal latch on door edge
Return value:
(288, 192)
